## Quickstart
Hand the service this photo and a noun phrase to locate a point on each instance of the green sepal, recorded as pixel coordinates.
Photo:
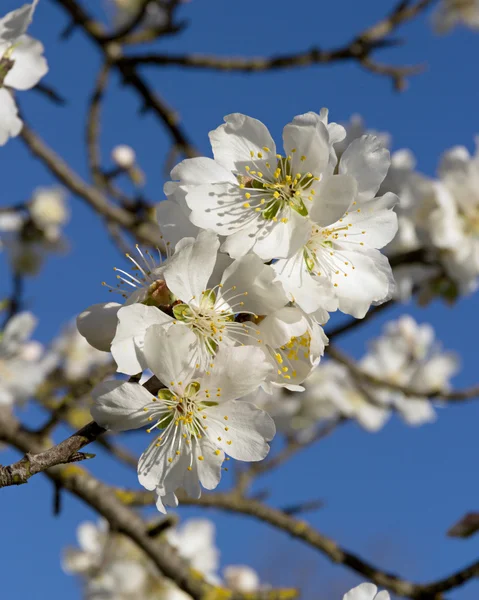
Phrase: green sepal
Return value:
(181, 312)
(165, 394)
(299, 207)
(192, 389)
(272, 209)
(308, 260)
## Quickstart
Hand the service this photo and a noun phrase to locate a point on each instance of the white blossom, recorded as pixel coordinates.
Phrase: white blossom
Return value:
(21, 66)
(336, 393)
(193, 289)
(112, 567)
(258, 199)
(407, 355)
(340, 266)
(76, 354)
(23, 364)
(241, 578)
(454, 223)
(49, 211)
(195, 541)
(123, 156)
(293, 344)
(195, 418)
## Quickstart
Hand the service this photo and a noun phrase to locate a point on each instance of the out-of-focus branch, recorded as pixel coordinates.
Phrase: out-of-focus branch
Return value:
(15, 301)
(144, 230)
(113, 53)
(111, 504)
(92, 130)
(359, 49)
(353, 323)
(466, 527)
(124, 520)
(292, 447)
(234, 503)
(361, 375)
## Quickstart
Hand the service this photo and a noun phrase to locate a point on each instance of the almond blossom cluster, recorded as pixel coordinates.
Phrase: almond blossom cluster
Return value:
(259, 248)
(31, 232)
(111, 567)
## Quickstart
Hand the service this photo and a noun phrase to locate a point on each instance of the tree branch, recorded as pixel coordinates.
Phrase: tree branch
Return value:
(301, 530)
(145, 231)
(359, 49)
(124, 520)
(358, 373)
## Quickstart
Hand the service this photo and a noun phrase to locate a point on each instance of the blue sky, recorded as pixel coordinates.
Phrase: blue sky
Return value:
(389, 496)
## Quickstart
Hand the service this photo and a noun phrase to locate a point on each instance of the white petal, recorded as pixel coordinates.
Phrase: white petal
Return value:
(209, 469)
(370, 282)
(249, 428)
(228, 373)
(97, 324)
(277, 329)
(374, 223)
(153, 465)
(29, 64)
(201, 170)
(282, 239)
(15, 23)
(308, 145)
(170, 500)
(250, 274)
(365, 591)
(311, 294)
(368, 162)
(233, 142)
(127, 345)
(89, 537)
(334, 196)
(10, 124)
(188, 273)
(173, 222)
(120, 405)
(18, 330)
(171, 355)
(219, 207)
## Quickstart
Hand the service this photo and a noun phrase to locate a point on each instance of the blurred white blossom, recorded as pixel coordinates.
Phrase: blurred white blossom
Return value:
(450, 13)
(23, 362)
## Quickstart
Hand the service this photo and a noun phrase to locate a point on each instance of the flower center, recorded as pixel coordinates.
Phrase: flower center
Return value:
(213, 316)
(277, 189)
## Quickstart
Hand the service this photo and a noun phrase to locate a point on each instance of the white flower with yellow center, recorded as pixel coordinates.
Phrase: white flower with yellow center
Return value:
(339, 266)
(195, 419)
(219, 311)
(293, 344)
(21, 66)
(258, 199)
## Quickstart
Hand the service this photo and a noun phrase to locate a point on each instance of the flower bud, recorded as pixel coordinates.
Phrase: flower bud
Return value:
(123, 156)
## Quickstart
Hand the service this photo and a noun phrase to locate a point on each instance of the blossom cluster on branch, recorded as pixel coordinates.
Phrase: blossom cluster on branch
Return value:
(214, 340)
